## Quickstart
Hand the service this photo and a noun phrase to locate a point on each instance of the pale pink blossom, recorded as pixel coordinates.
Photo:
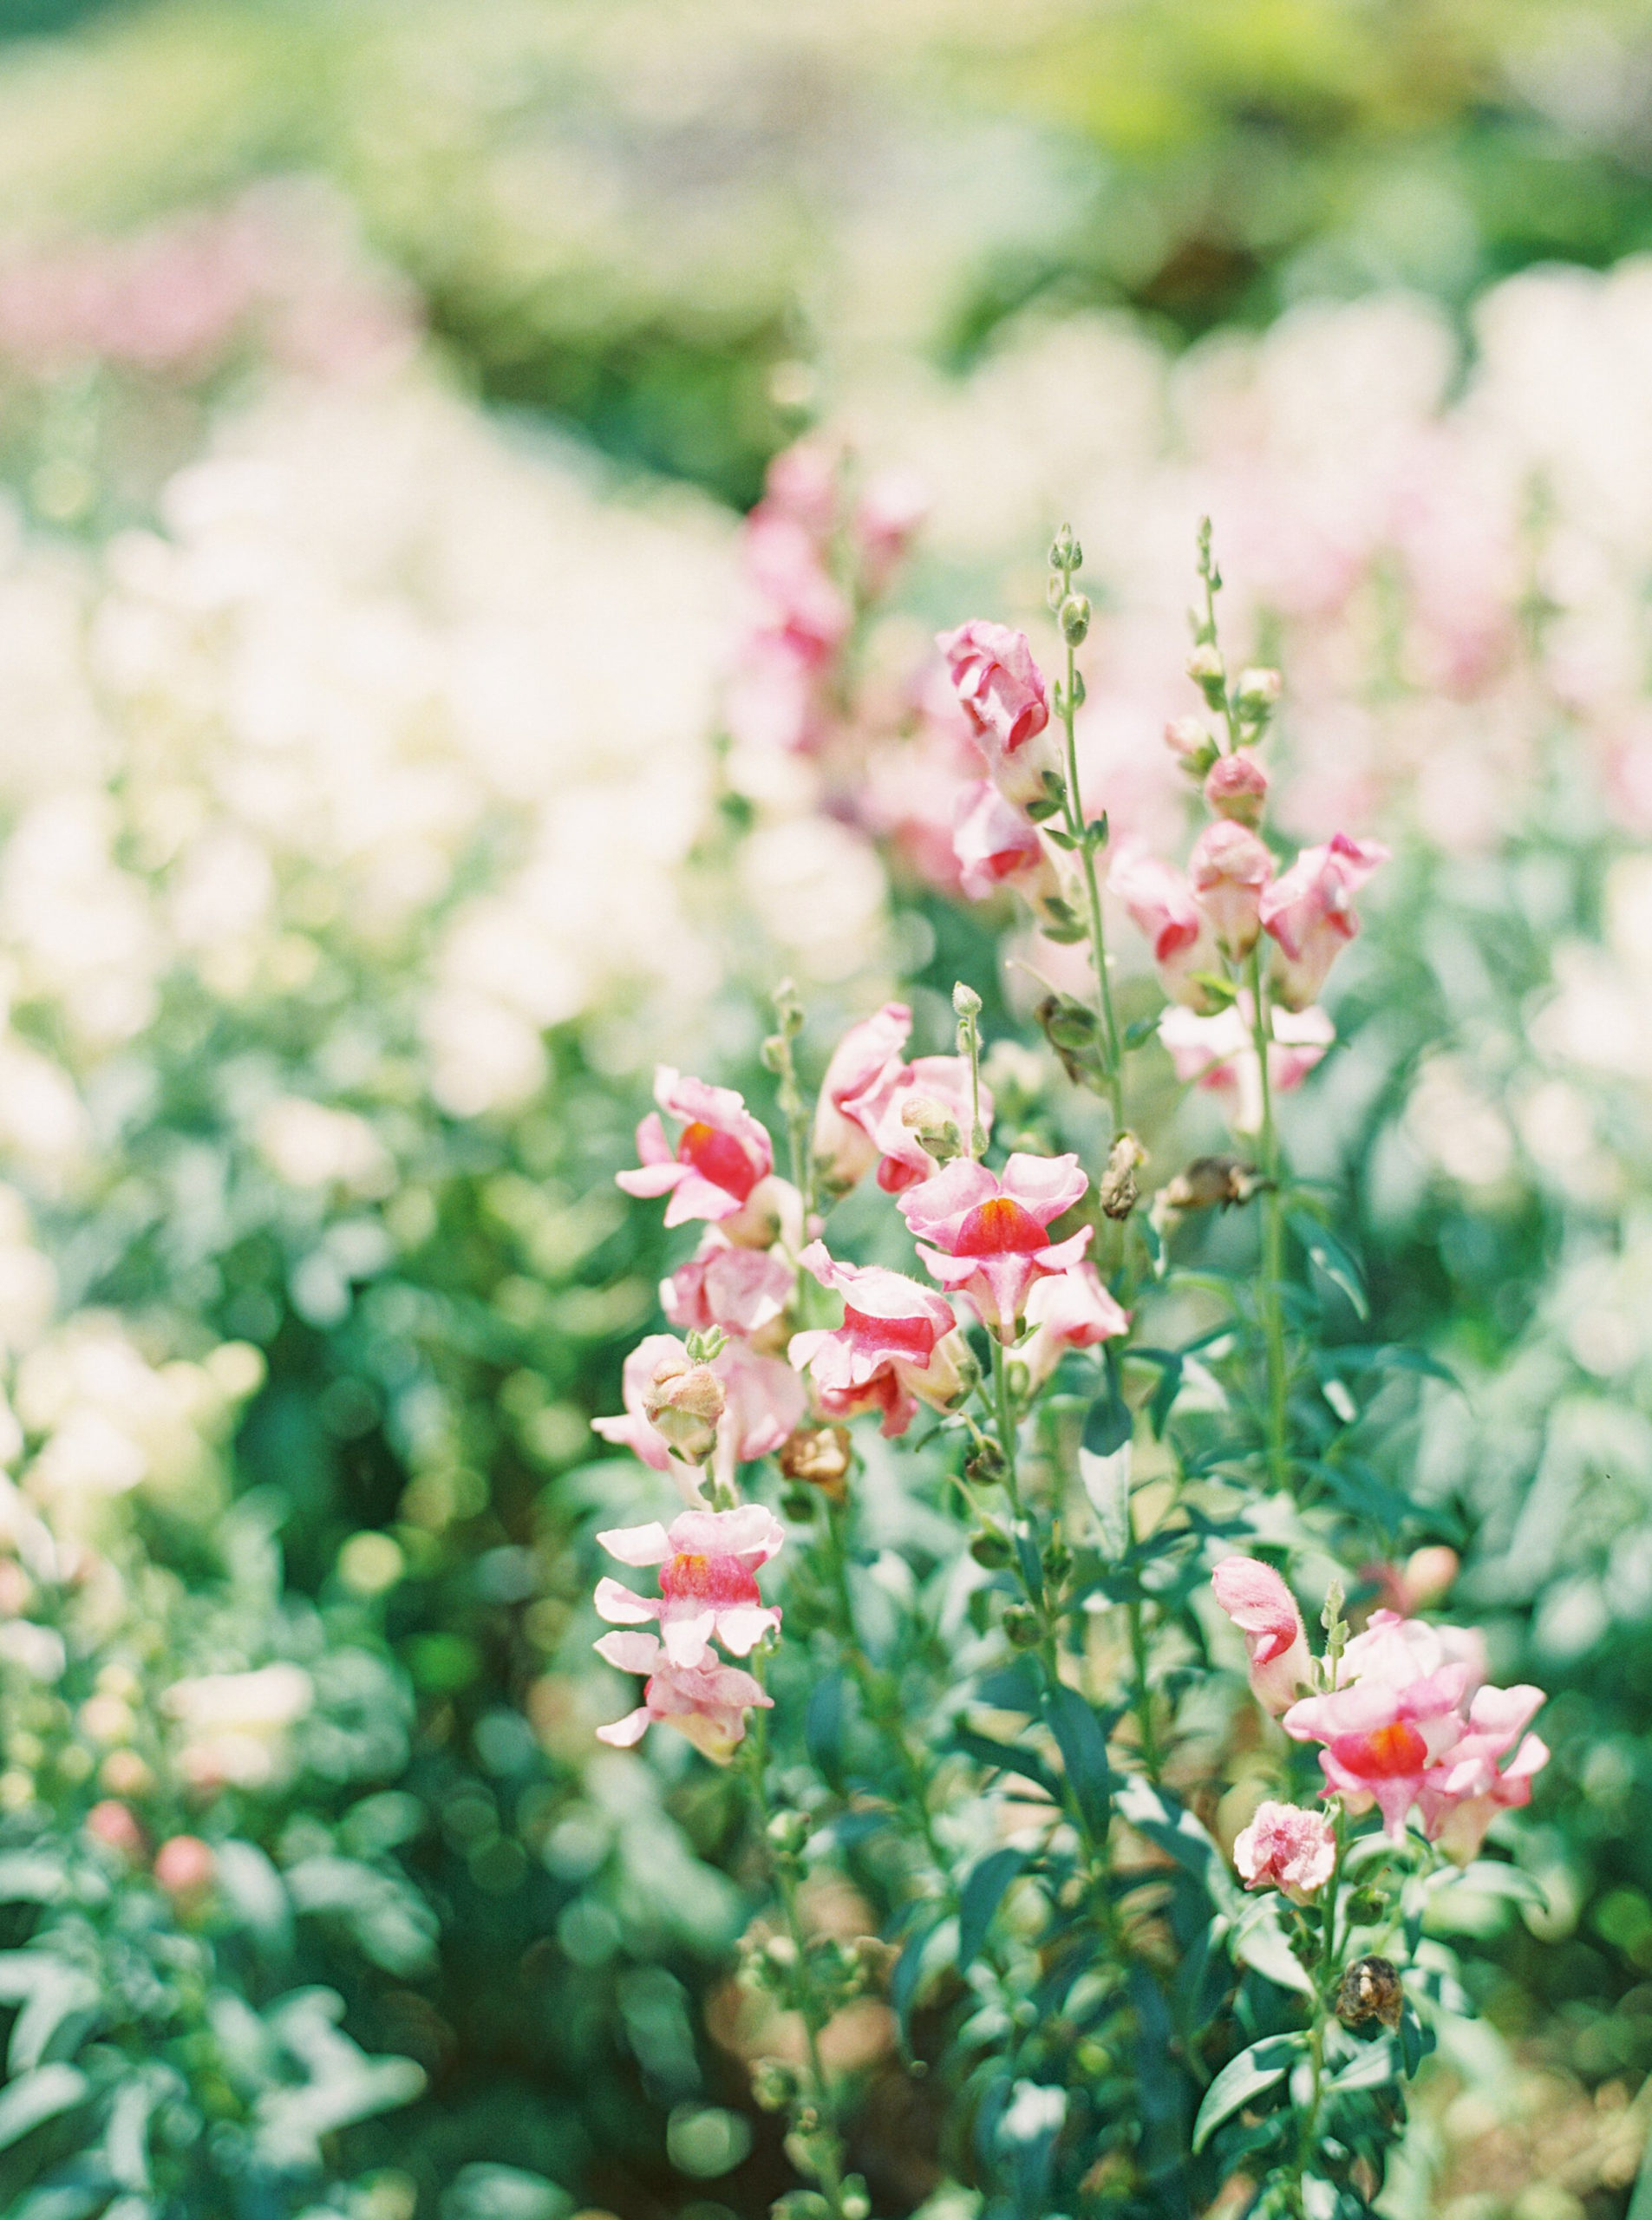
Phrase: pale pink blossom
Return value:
(1275, 1644)
(1309, 912)
(1464, 1793)
(1423, 1579)
(867, 1087)
(1005, 699)
(709, 1562)
(1228, 871)
(896, 1345)
(1072, 1309)
(989, 1232)
(721, 1151)
(1288, 1848)
(801, 603)
(1161, 906)
(1236, 786)
(1219, 1053)
(890, 509)
(743, 1291)
(1380, 1740)
(997, 846)
(1399, 1650)
(763, 1400)
(706, 1702)
(802, 482)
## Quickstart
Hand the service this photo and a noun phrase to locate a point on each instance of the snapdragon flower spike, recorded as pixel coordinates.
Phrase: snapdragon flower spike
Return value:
(1004, 697)
(859, 1121)
(1262, 1607)
(721, 1151)
(1219, 1053)
(743, 1291)
(706, 1702)
(1073, 1310)
(897, 1345)
(708, 1562)
(1309, 911)
(988, 1234)
(997, 846)
(1162, 907)
(1286, 1848)
(1228, 871)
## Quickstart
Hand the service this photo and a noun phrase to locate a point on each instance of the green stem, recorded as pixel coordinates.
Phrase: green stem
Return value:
(1151, 1759)
(1324, 2012)
(1271, 1277)
(1074, 810)
(827, 2144)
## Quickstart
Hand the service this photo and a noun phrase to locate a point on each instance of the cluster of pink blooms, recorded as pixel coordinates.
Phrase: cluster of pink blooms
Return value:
(179, 299)
(986, 1240)
(811, 557)
(1406, 1722)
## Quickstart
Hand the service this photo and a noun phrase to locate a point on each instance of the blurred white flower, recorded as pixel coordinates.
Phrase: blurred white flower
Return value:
(232, 1726)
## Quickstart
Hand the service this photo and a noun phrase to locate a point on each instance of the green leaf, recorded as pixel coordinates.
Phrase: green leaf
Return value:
(1217, 986)
(1104, 1467)
(36, 2097)
(979, 1897)
(1249, 2075)
(1260, 1943)
(1328, 1256)
(1490, 1876)
(1153, 1813)
(26, 1876)
(907, 1978)
(1004, 1759)
(1084, 1753)
(1376, 2063)
(823, 1725)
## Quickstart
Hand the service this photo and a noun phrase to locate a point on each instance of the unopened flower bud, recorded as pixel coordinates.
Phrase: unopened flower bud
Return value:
(1207, 670)
(1370, 1989)
(1118, 1189)
(821, 1455)
(1186, 736)
(682, 1402)
(1256, 693)
(1073, 617)
(991, 1549)
(1236, 786)
(1065, 553)
(965, 1001)
(986, 1468)
(933, 1126)
(788, 1832)
(774, 2085)
(1022, 1626)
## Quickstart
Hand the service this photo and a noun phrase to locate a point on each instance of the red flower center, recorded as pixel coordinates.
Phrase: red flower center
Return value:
(713, 1583)
(719, 1158)
(1386, 1754)
(999, 1227)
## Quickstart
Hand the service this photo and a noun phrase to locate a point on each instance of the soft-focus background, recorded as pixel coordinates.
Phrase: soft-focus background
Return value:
(381, 385)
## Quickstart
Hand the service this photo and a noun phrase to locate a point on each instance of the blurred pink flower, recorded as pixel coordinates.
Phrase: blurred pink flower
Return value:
(867, 1089)
(1219, 1053)
(707, 1702)
(1161, 906)
(1072, 1309)
(741, 1290)
(1229, 870)
(1262, 1607)
(997, 846)
(1309, 912)
(989, 1231)
(1236, 786)
(1288, 1848)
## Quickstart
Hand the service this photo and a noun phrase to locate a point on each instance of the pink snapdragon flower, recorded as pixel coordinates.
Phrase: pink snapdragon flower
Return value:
(1309, 912)
(1464, 1793)
(1006, 701)
(743, 1291)
(1287, 1848)
(1381, 1741)
(859, 1121)
(1161, 906)
(1219, 1053)
(1072, 1309)
(722, 1155)
(997, 846)
(1265, 1610)
(1423, 1579)
(898, 1345)
(989, 1232)
(706, 1702)
(1228, 871)
(708, 1562)
(1236, 786)
(763, 1400)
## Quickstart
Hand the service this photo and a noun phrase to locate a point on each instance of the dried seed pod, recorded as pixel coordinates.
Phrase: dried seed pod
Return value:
(819, 1454)
(1211, 1182)
(1118, 1189)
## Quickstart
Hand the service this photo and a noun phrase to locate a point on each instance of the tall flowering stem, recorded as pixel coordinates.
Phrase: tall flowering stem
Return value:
(1072, 619)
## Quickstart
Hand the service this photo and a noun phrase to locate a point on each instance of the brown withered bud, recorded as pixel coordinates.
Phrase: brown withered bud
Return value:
(1211, 1182)
(1118, 1189)
(1370, 1989)
(819, 1454)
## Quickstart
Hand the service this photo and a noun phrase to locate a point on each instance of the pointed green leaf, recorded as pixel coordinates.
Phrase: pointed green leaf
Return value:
(979, 1897)
(1250, 2074)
